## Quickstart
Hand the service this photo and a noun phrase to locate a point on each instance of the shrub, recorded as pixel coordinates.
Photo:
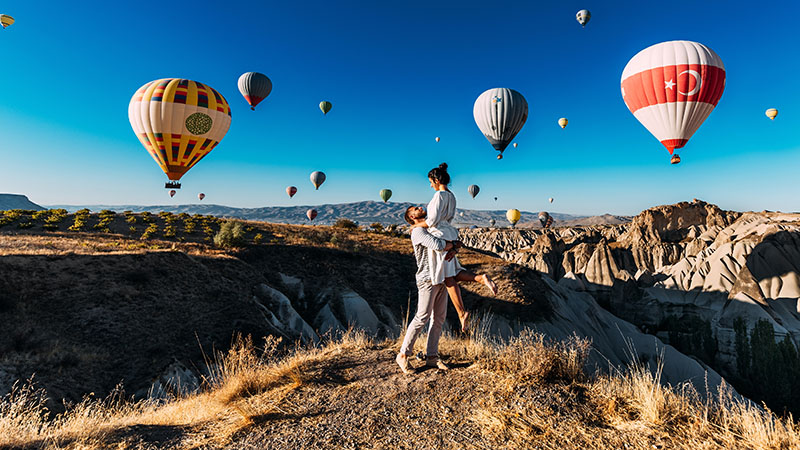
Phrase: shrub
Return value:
(345, 224)
(170, 231)
(258, 238)
(377, 226)
(151, 229)
(231, 234)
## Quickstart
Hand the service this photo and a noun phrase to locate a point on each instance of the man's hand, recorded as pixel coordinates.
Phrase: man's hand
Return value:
(450, 254)
(448, 246)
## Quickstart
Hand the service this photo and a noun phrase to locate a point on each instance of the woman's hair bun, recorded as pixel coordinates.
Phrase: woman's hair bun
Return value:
(443, 166)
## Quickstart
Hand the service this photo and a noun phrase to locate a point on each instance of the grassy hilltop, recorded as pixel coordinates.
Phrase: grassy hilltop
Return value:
(91, 300)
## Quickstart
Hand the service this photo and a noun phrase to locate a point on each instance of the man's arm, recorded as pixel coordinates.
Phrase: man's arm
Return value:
(420, 236)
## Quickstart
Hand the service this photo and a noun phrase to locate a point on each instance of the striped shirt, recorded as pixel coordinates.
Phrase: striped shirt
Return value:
(422, 241)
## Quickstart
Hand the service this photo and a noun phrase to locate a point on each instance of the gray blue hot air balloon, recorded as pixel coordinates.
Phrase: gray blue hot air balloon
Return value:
(254, 87)
(500, 114)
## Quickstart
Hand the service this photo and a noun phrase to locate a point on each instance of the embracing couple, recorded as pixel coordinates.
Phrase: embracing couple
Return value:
(436, 243)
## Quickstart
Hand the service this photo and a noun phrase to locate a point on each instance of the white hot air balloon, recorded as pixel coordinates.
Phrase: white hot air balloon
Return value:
(500, 114)
(671, 88)
(550, 199)
(254, 87)
(437, 139)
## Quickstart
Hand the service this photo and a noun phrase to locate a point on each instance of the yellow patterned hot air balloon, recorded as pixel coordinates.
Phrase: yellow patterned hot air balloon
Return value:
(6, 20)
(178, 122)
(562, 122)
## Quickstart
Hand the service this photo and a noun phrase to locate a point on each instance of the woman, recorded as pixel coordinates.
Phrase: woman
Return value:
(441, 211)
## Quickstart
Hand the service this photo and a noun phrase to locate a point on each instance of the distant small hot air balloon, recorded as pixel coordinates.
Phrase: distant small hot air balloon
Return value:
(290, 191)
(562, 122)
(495, 199)
(461, 214)
(201, 196)
(172, 193)
(545, 219)
(311, 214)
(513, 216)
(492, 222)
(550, 199)
(386, 194)
(515, 145)
(325, 107)
(437, 139)
(317, 178)
(473, 190)
(772, 113)
(583, 16)
(6, 20)
(254, 87)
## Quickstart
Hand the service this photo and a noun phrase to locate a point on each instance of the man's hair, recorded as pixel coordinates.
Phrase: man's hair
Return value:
(407, 215)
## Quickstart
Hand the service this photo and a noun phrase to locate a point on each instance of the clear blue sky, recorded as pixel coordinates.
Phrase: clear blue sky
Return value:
(398, 74)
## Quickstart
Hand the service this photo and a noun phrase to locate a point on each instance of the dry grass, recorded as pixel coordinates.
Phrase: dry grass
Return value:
(526, 393)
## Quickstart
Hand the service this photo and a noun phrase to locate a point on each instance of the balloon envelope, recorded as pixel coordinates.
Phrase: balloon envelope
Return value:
(550, 199)
(513, 216)
(311, 214)
(6, 20)
(437, 139)
(473, 190)
(254, 87)
(317, 178)
(178, 122)
(772, 113)
(500, 113)
(583, 16)
(325, 107)
(386, 194)
(172, 193)
(290, 191)
(562, 122)
(672, 87)
(492, 222)
(545, 219)
(201, 196)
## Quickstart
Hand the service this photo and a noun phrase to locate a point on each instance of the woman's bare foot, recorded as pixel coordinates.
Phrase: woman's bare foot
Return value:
(490, 284)
(464, 318)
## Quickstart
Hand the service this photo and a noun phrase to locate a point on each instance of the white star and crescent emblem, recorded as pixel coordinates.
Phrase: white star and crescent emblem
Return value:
(669, 84)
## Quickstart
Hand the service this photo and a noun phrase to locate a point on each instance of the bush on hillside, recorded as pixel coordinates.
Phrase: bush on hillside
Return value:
(345, 224)
(231, 234)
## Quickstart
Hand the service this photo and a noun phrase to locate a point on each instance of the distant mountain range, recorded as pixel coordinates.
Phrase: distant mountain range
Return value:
(17, 201)
(366, 212)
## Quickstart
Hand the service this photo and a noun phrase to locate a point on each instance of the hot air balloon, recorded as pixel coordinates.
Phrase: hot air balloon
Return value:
(437, 139)
(495, 199)
(317, 178)
(583, 16)
(325, 107)
(772, 113)
(178, 122)
(461, 214)
(473, 190)
(500, 113)
(6, 20)
(311, 214)
(513, 216)
(386, 194)
(545, 219)
(492, 222)
(562, 122)
(201, 196)
(172, 193)
(672, 87)
(254, 87)
(550, 199)
(290, 191)
(515, 145)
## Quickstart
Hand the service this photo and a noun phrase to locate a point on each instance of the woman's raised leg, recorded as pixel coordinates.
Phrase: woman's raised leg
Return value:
(466, 275)
(454, 291)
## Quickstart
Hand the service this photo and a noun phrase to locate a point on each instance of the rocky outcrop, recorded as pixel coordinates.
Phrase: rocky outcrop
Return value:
(17, 201)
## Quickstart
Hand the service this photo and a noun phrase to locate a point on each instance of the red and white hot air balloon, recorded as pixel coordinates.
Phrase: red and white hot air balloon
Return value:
(671, 89)
(201, 196)
(290, 191)
(172, 193)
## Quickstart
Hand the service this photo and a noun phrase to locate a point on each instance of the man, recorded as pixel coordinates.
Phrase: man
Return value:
(432, 299)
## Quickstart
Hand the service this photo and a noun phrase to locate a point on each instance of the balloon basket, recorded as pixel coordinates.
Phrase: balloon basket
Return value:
(172, 185)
